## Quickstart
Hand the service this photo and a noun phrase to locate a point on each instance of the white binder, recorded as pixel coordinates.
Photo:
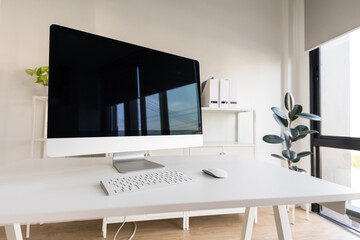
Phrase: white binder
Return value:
(210, 93)
(233, 95)
(224, 93)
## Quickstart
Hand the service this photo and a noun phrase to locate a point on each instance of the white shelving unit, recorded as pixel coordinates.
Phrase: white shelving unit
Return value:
(35, 131)
(227, 131)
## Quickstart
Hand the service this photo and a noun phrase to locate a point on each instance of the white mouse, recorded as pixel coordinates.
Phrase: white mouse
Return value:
(216, 172)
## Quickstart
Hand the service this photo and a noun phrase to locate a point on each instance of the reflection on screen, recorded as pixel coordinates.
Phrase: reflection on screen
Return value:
(172, 112)
(183, 110)
(153, 120)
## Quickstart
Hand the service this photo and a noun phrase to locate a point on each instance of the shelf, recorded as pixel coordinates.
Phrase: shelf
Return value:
(206, 109)
(227, 144)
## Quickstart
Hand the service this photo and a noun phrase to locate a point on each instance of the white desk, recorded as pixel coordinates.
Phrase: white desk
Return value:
(55, 190)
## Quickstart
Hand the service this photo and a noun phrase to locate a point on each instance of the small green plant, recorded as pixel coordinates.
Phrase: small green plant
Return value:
(39, 74)
(291, 134)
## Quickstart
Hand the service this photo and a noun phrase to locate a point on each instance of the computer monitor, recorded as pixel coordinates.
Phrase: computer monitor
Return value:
(108, 96)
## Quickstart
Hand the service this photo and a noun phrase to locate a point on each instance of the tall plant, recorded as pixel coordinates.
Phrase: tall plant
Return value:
(291, 134)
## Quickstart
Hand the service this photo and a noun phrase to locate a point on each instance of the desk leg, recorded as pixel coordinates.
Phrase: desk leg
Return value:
(282, 223)
(248, 223)
(13, 232)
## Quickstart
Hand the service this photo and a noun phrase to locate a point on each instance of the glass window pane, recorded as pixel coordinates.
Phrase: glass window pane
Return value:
(342, 167)
(340, 86)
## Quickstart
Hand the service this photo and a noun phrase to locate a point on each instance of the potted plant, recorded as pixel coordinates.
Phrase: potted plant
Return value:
(291, 134)
(40, 75)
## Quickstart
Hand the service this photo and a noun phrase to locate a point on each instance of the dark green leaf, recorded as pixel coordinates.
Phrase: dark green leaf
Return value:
(309, 116)
(301, 170)
(285, 137)
(282, 122)
(295, 160)
(289, 154)
(289, 101)
(278, 156)
(293, 132)
(279, 112)
(296, 110)
(309, 131)
(297, 169)
(301, 129)
(304, 154)
(274, 139)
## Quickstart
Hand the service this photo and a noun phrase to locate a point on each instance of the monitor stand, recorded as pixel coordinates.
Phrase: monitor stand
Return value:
(132, 161)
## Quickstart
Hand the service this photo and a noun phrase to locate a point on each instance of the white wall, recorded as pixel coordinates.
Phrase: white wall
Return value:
(232, 39)
(299, 82)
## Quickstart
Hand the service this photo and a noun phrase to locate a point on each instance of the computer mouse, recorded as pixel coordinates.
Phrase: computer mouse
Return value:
(216, 172)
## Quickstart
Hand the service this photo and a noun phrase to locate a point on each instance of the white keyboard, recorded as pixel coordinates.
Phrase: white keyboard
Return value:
(141, 181)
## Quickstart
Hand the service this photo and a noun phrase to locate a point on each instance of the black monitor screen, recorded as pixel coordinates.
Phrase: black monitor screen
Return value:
(102, 87)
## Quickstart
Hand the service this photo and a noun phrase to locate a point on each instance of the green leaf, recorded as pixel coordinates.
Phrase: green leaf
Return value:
(42, 78)
(278, 156)
(296, 110)
(304, 154)
(44, 69)
(29, 71)
(297, 169)
(293, 132)
(289, 101)
(279, 112)
(309, 131)
(309, 116)
(301, 129)
(301, 155)
(273, 139)
(38, 72)
(295, 160)
(285, 137)
(289, 154)
(282, 122)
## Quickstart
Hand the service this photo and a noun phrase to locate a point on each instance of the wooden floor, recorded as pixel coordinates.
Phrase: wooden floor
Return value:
(225, 227)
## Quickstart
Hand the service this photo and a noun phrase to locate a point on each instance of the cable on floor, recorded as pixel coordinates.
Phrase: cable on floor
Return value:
(133, 234)
(124, 221)
(120, 228)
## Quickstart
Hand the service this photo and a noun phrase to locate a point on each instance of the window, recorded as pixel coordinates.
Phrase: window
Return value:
(335, 96)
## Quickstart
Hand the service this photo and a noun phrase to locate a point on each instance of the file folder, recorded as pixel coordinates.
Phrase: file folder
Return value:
(224, 93)
(210, 93)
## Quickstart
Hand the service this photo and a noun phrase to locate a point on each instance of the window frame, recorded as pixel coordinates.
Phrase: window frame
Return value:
(319, 140)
